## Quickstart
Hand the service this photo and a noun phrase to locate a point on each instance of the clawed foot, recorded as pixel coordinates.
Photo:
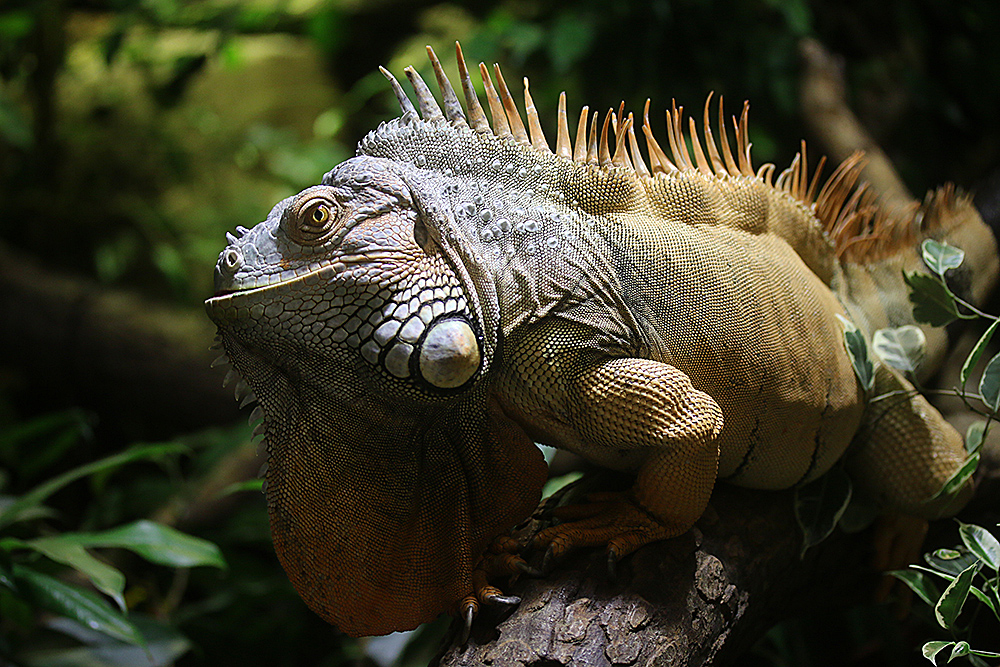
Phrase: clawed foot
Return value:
(611, 519)
(501, 559)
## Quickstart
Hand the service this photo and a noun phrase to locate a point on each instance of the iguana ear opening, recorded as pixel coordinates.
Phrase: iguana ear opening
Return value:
(379, 527)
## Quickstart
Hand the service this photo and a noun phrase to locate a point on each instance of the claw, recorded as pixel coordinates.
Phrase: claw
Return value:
(469, 608)
(503, 599)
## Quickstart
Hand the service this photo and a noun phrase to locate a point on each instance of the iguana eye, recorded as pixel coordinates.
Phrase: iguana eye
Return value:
(312, 218)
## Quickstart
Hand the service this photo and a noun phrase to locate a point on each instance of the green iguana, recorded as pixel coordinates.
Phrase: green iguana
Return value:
(457, 292)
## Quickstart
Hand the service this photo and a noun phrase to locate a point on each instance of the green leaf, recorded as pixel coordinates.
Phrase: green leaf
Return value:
(989, 384)
(559, 482)
(901, 347)
(959, 650)
(156, 543)
(931, 649)
(940, 257)
(919, 583)
(240, 487)
(981, 542)
(977, 352)
(162, 646)
(948, 608)
(78, 604)
(985, 599)
(105, 578)
(932, 302)
(950, 561)
(14, 511)
(959, 478)
(974, 436)
(820, 504)
(857, 350)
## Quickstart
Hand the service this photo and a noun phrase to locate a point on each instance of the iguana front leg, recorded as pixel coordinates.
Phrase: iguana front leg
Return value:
(634, 404)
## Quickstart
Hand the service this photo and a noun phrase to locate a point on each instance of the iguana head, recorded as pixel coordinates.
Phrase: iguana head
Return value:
(366, 333)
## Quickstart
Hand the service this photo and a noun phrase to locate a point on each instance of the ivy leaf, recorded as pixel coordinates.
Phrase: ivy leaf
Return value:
(940, 257)
(959, 478)
(981, 542)
(901, 347)
(977, 352)
(919, 583)
(960, 649)
(950, 561)
(989, 385)
(857, 350)
(974, 436)
(820, 504)
(931, 649)
(950, 605)
(932, 302)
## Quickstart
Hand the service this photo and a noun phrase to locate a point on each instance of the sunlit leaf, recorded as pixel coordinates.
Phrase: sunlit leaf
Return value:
(919, 583)
(857, 350)
(989, 384)
(959, 477)
(901, 347)
(105, 578)
(982, 543)
(949, 606)
(820, 504)
(931, 649)
(76, 603)
(932, 302)
(959, 650)
(977, 352)
(156, 543)
(940, 257)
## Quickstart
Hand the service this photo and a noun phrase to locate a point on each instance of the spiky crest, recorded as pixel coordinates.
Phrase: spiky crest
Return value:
(861, 228)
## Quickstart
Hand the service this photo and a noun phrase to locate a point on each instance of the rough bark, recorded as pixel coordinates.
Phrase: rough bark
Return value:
(703, 598)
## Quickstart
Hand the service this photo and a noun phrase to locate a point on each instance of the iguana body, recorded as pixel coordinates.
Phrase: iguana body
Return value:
(456, 292)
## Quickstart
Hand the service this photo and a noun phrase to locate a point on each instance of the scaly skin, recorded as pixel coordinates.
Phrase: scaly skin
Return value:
(450, 295)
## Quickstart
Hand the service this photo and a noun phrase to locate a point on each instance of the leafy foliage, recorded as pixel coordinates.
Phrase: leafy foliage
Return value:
(28, 582)
(969, 569)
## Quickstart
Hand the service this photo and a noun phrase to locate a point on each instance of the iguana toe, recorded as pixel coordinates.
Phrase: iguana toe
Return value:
(618, 523)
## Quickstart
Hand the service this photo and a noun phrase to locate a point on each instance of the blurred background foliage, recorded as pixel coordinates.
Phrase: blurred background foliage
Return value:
(134, 133)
